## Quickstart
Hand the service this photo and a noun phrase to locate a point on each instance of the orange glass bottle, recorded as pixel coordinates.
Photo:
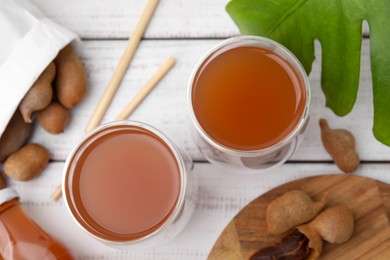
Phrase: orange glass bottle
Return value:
(20, 237)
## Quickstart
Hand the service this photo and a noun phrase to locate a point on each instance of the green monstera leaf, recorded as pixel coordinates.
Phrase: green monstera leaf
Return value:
(337, 24)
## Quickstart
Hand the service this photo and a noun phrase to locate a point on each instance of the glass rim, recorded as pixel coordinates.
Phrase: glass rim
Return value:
(173, 215)
(261, 41)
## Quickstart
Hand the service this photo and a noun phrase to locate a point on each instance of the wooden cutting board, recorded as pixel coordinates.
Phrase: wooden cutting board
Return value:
(369, 200)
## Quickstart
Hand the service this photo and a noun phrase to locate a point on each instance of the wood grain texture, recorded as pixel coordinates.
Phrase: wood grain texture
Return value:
(116, 19)
(123, 65)
(166, 106)
(366, 197)
(221, 197)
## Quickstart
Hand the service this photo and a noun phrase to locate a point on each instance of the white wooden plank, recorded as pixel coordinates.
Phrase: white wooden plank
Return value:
(117, 19)
(166, 106)
(221, 196)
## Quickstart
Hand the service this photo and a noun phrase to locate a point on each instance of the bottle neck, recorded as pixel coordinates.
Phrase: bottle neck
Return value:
(9, 204)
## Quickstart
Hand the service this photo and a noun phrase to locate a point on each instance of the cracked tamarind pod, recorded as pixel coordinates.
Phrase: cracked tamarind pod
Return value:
(40, 94)
(294, 246)
(334, 225)
(292, 209)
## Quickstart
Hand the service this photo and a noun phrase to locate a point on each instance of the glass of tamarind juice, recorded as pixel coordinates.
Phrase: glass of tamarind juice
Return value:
(249, 103)
(127, 185)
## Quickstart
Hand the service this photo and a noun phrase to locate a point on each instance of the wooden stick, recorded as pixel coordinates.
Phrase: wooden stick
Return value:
(57, 193)
(142, 93)
(147, 88)
(119, 72)
(122, 66)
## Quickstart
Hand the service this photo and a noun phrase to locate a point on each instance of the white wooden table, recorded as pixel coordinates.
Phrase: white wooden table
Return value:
(184, 29)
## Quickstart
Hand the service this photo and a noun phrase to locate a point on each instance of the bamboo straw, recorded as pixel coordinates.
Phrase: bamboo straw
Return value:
(145, 90)
(57, 193)
(139, 97)
(122, 66)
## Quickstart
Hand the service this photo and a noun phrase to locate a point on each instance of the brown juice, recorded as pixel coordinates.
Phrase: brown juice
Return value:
(247, 98)
(21, 238)
(125, 183)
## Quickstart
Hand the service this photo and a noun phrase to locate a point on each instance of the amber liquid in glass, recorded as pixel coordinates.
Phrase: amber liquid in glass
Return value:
(247, 98)
(21, 238)
(125, 183)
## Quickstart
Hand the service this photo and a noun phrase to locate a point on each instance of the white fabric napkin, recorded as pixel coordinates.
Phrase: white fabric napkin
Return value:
(28, 43)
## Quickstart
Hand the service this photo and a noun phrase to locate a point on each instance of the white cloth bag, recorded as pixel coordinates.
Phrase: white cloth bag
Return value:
(28, 43)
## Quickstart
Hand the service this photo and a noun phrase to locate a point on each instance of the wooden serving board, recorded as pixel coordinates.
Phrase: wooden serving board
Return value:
(369, 200)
